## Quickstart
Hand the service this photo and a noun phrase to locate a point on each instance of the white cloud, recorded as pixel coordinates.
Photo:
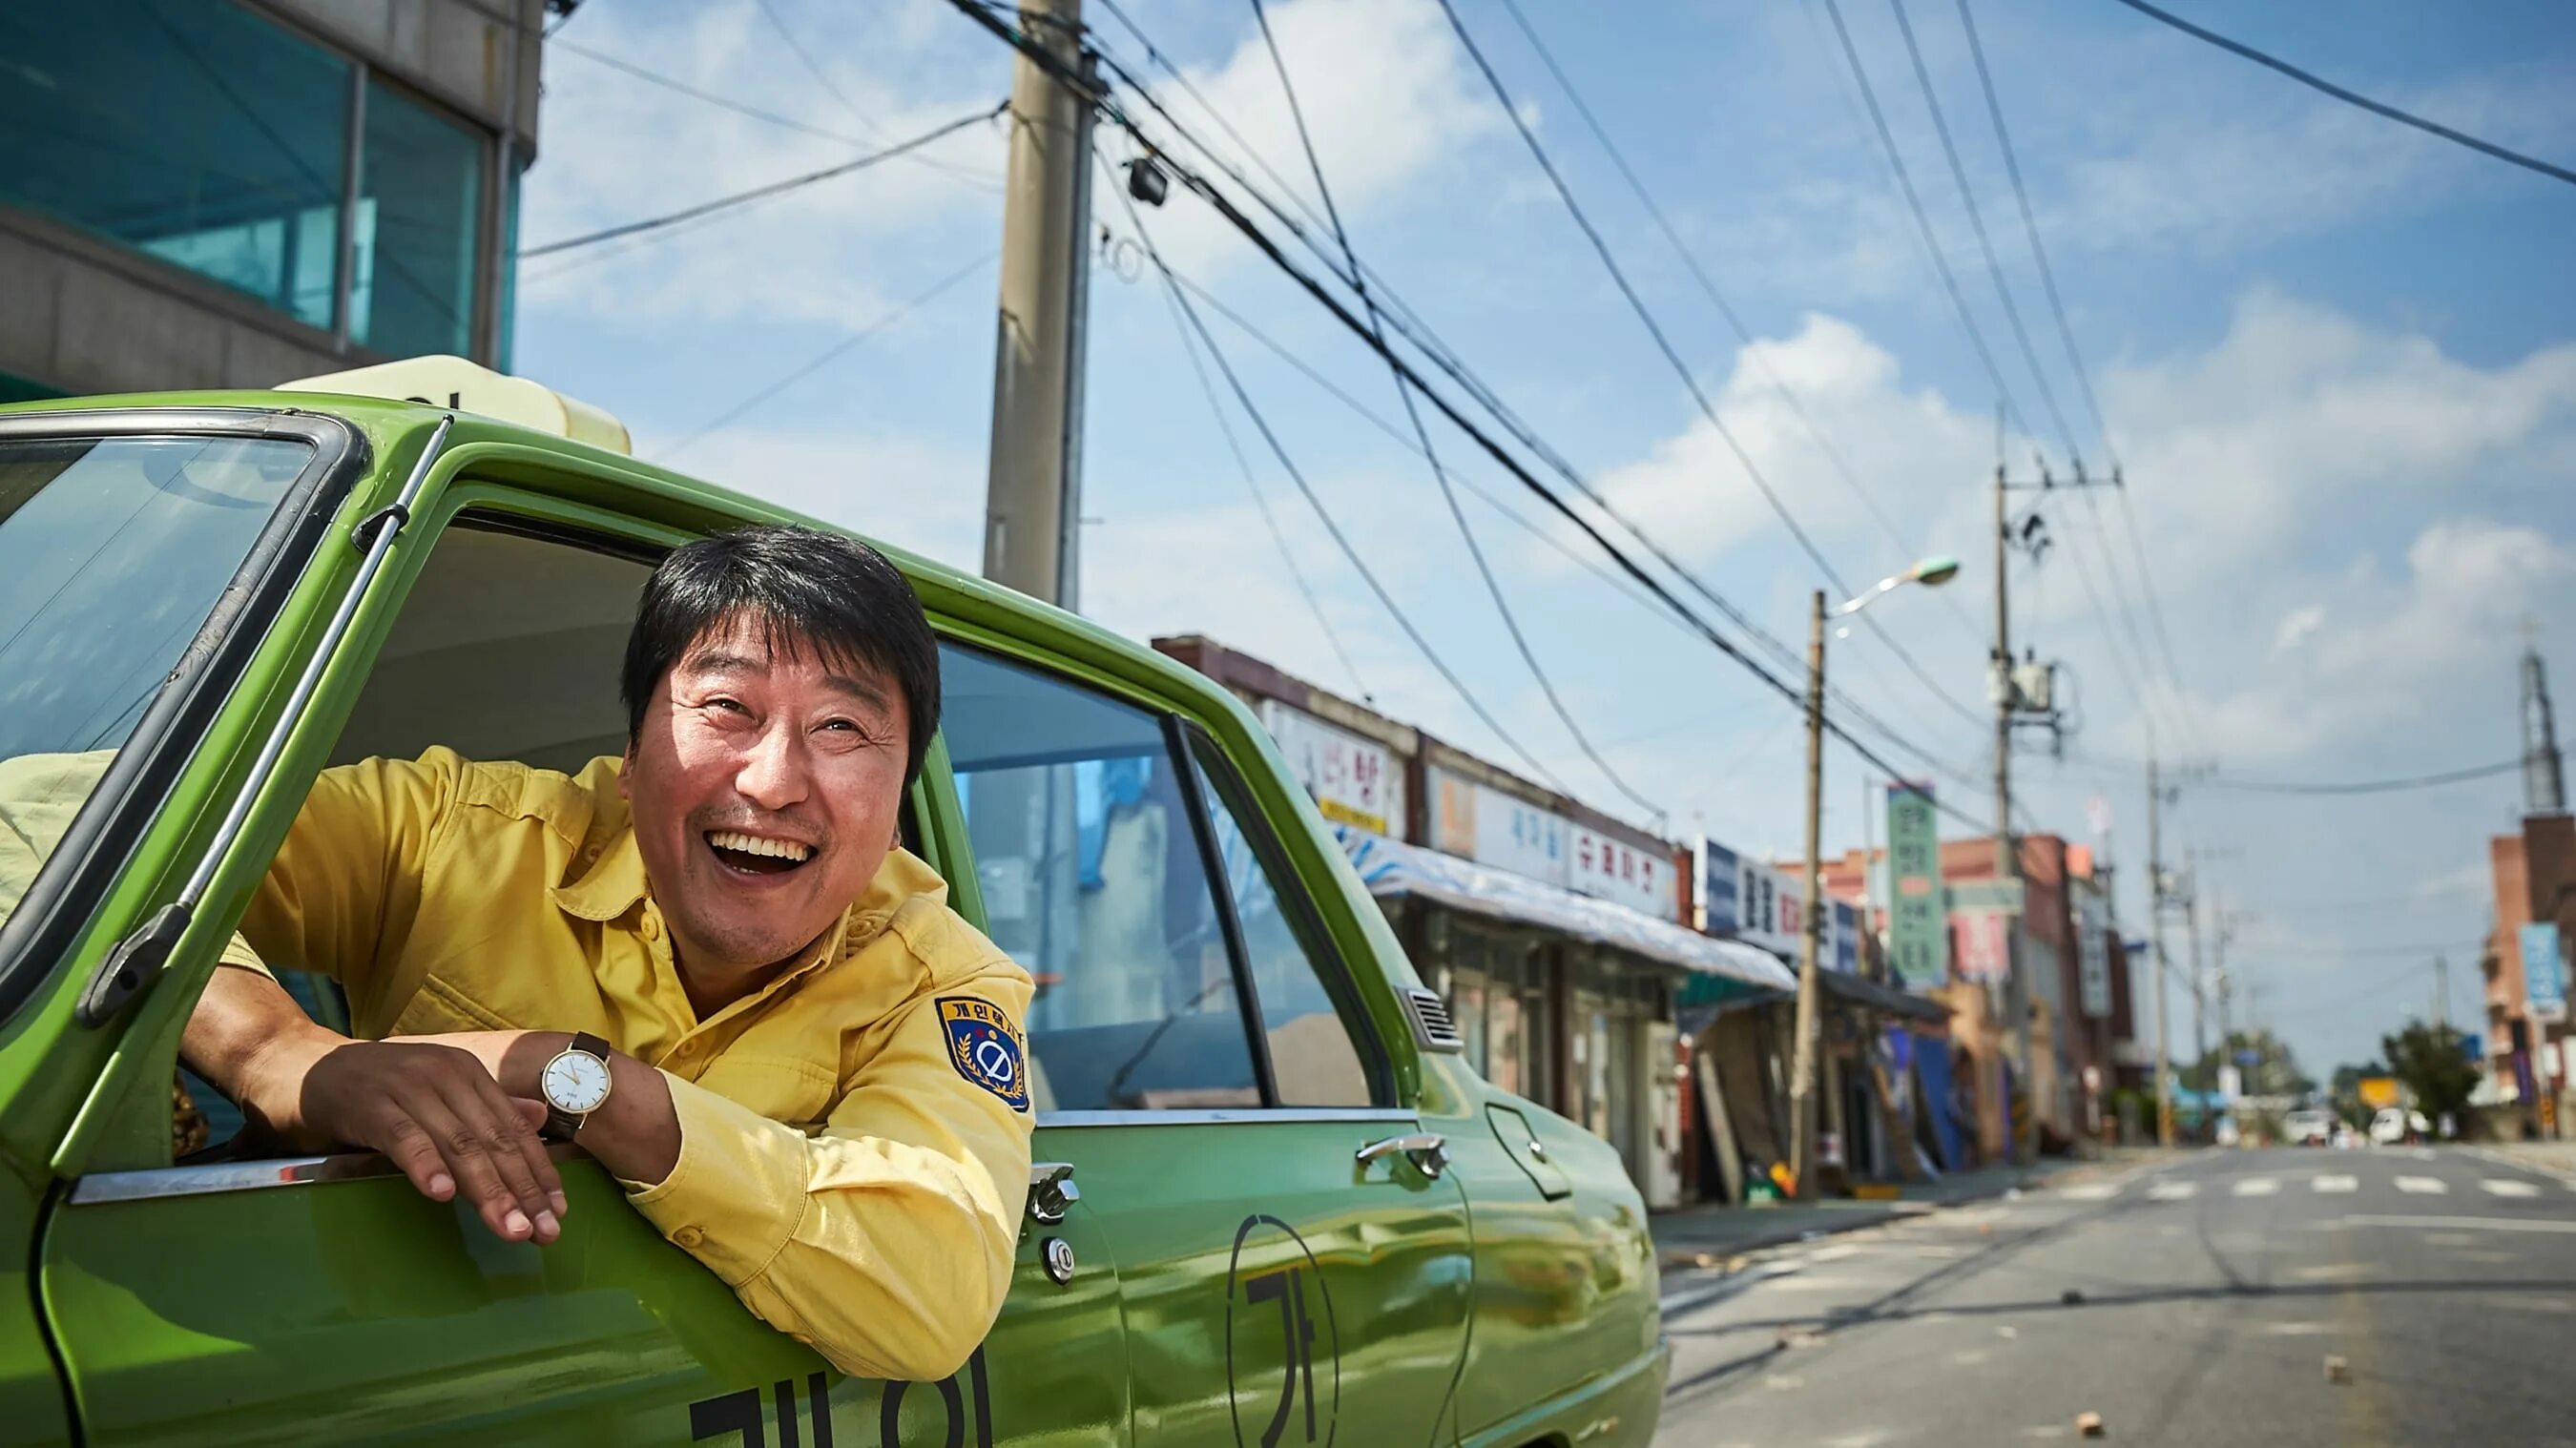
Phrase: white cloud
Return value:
(2297, 625)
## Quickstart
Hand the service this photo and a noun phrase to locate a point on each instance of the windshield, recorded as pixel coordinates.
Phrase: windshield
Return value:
(112, 553)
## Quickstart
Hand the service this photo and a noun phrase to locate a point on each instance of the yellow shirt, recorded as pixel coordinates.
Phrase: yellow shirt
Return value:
(854, 1137)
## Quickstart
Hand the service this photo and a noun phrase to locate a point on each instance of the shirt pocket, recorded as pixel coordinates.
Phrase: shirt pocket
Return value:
(783, 1088)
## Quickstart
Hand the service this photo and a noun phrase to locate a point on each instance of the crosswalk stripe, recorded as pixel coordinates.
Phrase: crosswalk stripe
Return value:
(2257, 1187)
(2092, 1192)
(2508, 1187)
(2334, 1183)
(2423, 1186)
(2172, 1191)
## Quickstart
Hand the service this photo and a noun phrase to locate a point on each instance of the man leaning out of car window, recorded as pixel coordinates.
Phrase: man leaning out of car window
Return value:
(708, 962)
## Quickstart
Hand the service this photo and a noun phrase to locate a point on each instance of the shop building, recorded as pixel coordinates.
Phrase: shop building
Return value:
(236, 193)
(1558, 935)
(2525, 970)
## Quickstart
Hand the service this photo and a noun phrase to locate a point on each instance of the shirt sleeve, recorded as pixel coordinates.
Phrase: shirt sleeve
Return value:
(341, 895)
(884, 1240)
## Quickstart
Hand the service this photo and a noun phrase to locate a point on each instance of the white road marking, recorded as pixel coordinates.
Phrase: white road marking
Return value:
(2294, 1329)
(2257, 1187)
(2334, 1183)
(2508, 1187)
(2423, 1186)
(2092, 1192)
(2473, 1224)
(2172, 1191)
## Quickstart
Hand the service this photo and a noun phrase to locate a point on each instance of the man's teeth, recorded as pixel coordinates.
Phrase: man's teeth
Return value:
(755, 845)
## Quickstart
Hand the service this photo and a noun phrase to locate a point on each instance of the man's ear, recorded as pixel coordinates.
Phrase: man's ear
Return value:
(626, 772)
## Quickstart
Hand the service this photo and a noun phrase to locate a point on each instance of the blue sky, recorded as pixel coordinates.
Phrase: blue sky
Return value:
(2338, 360)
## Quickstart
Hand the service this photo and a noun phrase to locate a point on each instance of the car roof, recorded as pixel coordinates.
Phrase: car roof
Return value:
(945, 590)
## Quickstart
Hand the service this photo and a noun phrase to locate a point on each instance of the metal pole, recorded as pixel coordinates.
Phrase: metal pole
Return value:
(2191, 932)
(1802, 1073)
(1868, 864)
(2025, 1136)
(1032, 514)
(2156, 938)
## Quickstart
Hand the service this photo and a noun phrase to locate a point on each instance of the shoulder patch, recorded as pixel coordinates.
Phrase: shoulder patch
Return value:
(985, 1047)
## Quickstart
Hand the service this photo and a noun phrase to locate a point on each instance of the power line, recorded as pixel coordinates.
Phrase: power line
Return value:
(2083, 377)
(830, 354)
(1977, 224)
(1671, 354)
(1708, 287)
(2379, 108)
(757, 193)
(1261, 424)
(711, 98)
(1270, 250)
(813, 68)
(1413, 415)
(1922, 221)
(2365, 786)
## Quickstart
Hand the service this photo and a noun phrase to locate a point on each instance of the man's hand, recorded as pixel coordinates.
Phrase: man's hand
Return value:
(435, 1108)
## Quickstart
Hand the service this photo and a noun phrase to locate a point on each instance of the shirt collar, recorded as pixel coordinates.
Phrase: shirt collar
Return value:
(615, 882)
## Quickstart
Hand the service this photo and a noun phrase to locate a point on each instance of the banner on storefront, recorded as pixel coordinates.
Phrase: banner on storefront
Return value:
(1720, 908)
(1845, 936)
(2544, 973)
(1623, 874)
(1918, 928)
(1985, 945)
(1768, 904)
(1354, 781)
(1478, 822)
(2092, 954)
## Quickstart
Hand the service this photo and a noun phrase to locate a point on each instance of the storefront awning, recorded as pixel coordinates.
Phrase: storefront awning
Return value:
(1887, 1000)
(1391, 867)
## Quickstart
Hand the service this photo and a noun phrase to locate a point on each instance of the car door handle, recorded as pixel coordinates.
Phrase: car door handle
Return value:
(1051, 1191)
(1427, 1150)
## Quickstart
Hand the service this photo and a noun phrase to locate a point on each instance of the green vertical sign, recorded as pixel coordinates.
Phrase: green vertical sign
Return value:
(1918, 929)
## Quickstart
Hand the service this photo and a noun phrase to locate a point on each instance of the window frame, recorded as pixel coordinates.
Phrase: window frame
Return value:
(70, 888)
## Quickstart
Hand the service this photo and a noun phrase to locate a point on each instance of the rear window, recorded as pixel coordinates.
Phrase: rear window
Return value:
(113, 551)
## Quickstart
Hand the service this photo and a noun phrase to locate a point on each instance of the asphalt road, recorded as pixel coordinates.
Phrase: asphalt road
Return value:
(2194, 1302)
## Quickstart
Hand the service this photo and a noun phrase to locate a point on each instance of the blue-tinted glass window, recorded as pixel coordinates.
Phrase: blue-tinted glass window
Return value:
(420, 195)
(195, 131)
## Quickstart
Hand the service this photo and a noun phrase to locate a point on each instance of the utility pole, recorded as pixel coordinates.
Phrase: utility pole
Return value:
(1033, 495)
(2025, 1133)
(2442, 994)
(2544, 788)
(2199, 1003)
(2156, 938)
(1802, 1077)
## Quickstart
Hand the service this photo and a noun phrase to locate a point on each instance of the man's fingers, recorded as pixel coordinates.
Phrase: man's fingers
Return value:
(493, 1133)
(460, 1151)
(534, 1113)
(410, 1147)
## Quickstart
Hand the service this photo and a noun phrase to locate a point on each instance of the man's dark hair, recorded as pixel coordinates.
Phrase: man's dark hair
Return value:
(805, 589)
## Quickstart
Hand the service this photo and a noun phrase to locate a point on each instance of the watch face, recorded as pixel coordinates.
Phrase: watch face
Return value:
(575, 1081)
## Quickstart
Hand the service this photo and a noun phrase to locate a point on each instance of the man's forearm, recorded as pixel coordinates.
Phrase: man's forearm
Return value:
(246, 1027)
(635, 1133)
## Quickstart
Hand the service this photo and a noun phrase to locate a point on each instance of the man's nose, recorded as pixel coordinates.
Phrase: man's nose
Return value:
(772, 774)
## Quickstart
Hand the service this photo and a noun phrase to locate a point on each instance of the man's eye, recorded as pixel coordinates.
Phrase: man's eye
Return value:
(732, 706)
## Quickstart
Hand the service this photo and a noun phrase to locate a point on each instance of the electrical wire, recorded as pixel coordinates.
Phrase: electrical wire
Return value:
(1269, 248)
(1672, 355)
(679, 87)
(2364, 786)
(814, 68)
(1977, 224)
(1422, 434)
(1922, 221)
(1261, 424)
(828, 355)
(2378, 108)
(1753, 351)
(759, 193)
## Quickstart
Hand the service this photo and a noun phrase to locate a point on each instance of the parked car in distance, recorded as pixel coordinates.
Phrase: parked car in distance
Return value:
(2396, 1124)
(2307, 1127)
(1268, 1188)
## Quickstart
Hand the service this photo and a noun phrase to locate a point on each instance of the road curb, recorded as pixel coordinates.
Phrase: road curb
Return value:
(1676, 1260)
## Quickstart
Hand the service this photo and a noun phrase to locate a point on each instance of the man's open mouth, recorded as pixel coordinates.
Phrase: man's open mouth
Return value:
(757, 854)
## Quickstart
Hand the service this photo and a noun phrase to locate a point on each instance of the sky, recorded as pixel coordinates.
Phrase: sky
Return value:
(2336, 359)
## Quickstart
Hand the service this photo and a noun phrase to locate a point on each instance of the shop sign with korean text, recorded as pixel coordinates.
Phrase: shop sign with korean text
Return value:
(1842, 939)
(1721, 885)
(2092, 953)
(1985, 945)
(1480, 823)
(2544, 972)
(1621, 873)
(1354, 780)
(1918, 926)
(1768, 902)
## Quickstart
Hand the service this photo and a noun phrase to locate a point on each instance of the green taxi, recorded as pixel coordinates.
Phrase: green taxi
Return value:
(1271, 1203)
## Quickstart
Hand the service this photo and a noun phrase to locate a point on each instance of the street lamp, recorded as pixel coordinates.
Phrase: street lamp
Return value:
(1931, 572)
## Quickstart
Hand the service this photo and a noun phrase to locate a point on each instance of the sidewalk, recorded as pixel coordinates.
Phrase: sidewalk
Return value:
(1706, 1236)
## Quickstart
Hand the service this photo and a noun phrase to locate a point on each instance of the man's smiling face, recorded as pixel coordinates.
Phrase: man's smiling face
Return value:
(763, 786)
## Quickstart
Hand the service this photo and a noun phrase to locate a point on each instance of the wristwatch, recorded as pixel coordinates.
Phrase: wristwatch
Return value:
(575, 1084)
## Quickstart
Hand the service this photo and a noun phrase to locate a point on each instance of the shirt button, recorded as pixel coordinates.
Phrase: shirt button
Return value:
(688, 1236)
(689, 1047)
(652, 927)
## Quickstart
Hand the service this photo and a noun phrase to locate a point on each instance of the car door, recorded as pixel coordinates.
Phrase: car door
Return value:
(323, 1300)
(1293, 1260)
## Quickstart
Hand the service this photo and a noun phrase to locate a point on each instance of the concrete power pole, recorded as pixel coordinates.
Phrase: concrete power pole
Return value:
(1033, 496)
(2199, 1002)
(2544, 789)
(2156, 937)
(2025, 1137)
(1802, 1071)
